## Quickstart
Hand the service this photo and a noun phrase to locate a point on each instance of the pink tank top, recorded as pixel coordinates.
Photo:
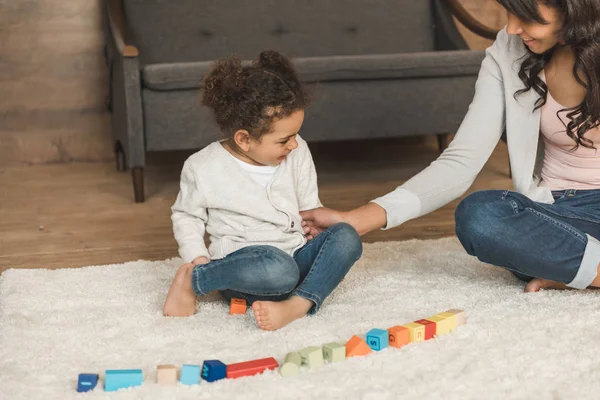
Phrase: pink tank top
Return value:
(563, 167)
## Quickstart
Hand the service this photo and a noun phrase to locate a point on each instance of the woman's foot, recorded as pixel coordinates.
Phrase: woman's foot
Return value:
(272, 315)
(181, 300)
(536, 284)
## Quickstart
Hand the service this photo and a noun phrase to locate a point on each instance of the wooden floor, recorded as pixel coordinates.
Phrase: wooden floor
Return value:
(78, 214)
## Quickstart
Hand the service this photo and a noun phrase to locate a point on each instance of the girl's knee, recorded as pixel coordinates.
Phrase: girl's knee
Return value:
(280, 272)
(347, 237)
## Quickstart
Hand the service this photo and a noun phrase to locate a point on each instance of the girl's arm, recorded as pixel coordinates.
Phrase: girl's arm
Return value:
(307, 191)
(189, 216)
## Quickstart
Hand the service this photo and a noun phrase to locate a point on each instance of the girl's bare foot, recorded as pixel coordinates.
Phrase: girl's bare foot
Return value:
(536, 284)
(272, 315)
(181, 300)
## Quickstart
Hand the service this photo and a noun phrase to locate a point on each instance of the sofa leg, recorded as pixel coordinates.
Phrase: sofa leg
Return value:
(443, 140)
(121, 163)
(137, 175)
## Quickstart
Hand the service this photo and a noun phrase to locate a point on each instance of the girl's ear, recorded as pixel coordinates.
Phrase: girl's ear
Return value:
(242, 139)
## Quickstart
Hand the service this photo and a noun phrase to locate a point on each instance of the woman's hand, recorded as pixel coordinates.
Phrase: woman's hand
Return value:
(318, 219)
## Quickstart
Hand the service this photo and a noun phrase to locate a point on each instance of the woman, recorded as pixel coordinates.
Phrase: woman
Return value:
(539, 81)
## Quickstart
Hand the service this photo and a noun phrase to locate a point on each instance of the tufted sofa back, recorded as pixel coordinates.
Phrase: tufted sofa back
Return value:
(168, 31)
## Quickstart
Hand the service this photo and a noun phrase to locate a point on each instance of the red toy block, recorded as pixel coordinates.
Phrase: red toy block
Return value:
(238, 306)
(249, 368)
(429, 328)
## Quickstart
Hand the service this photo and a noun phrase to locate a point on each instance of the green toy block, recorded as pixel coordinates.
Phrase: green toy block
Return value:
(334, 352)
(291, 366)
(312, 356)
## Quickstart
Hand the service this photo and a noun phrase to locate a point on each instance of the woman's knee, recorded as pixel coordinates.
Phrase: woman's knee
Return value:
(476, 216)
(347, 237)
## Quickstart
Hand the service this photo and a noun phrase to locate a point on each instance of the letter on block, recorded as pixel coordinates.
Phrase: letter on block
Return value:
(248, 368)
(312, 356)
(116, 379)
(451, 319)
(430, 328)
(377, 339)
(461, 316)
(190, 374)
(442, 325)
(399, 336)
(237, 306)
(166, 374)
(334, 352)
(213, 370)
(291, 366)
(357, 347)
(87, 382)
(417, 331)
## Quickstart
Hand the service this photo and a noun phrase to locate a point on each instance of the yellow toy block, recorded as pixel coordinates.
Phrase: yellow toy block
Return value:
(417, 331)
(443, 325)
(451, 317)
(461, 316)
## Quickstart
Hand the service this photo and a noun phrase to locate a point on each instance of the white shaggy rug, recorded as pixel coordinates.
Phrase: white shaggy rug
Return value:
(56, 324)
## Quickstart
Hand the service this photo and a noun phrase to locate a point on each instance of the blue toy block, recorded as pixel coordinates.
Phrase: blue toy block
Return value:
(190, 374)
(87, 382)
(378, 339)
(213, 370)
(116, 379)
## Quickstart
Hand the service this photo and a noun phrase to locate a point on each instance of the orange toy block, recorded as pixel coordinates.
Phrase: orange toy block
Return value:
(238, 306)
(248, 368)
(357, 347)
(399, 336)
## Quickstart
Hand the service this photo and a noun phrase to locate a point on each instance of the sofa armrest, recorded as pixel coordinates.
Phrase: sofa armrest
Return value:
(465, 18)
(116, 24)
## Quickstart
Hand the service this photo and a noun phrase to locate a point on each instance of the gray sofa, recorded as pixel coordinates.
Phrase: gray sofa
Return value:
(385, 68)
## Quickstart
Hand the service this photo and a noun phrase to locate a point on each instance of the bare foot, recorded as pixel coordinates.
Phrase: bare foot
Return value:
(272, 315)
(536, 284)
(181, 300)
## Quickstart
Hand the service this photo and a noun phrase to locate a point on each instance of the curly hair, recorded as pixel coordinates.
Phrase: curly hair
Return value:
(251, 96)
(580, 31)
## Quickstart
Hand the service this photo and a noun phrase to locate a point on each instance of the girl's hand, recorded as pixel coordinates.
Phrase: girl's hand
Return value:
(318, 219)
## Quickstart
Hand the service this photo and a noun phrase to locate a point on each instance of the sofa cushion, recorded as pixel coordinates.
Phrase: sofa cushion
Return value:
(335, 68)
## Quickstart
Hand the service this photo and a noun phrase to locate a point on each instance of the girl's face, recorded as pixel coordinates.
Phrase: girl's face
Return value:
(273, 147)
(539, 38)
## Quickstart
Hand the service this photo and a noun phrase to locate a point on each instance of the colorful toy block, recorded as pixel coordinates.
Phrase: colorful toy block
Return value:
(291, 365)
(334, 352)
(87, 382)
(237, 306)
(378, 339)
(430, 328)
(451, 318)
(417, 331)
(248, 368)
(398, 336)
(190, 374)
(116, 379)
(213, 370)
(166, 374)
(461, 316)
(442, 325)
(312, 356)
(357, 347)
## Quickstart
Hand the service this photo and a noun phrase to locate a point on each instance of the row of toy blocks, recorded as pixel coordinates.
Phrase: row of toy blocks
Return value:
(114, 379)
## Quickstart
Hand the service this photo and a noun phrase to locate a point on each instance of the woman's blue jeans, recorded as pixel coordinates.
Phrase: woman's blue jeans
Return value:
(558, 242)
(267, 273)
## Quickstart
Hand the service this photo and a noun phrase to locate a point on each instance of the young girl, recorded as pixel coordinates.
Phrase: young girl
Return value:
(246, 192)
(540, 81)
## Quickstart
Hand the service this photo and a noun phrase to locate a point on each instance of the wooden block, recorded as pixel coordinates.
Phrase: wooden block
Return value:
(312, 356)
(417, 331)
(357, 347)
(334, 352)
(213, 370)
(451, 318)
(291, 365)
(377, 339)
(115, 379)
(166, 374)
(442, 325)
(461, 316)
(190, 374)
(430, 328)
(87, 382)
(248, 368)
(237, 306)
(398, 336)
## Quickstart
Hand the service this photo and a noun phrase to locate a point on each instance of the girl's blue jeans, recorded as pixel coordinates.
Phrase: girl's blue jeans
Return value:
(558, 242)
(267, 273)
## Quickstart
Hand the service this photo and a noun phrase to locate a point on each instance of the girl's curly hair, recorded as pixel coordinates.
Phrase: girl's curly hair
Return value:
(253, 96)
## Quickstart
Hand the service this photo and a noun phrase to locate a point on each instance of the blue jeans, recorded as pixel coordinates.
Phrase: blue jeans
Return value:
(268, 273)
(556, 241)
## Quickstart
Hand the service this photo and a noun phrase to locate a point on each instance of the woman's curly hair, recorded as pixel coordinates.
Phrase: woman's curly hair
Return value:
(253, 96)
